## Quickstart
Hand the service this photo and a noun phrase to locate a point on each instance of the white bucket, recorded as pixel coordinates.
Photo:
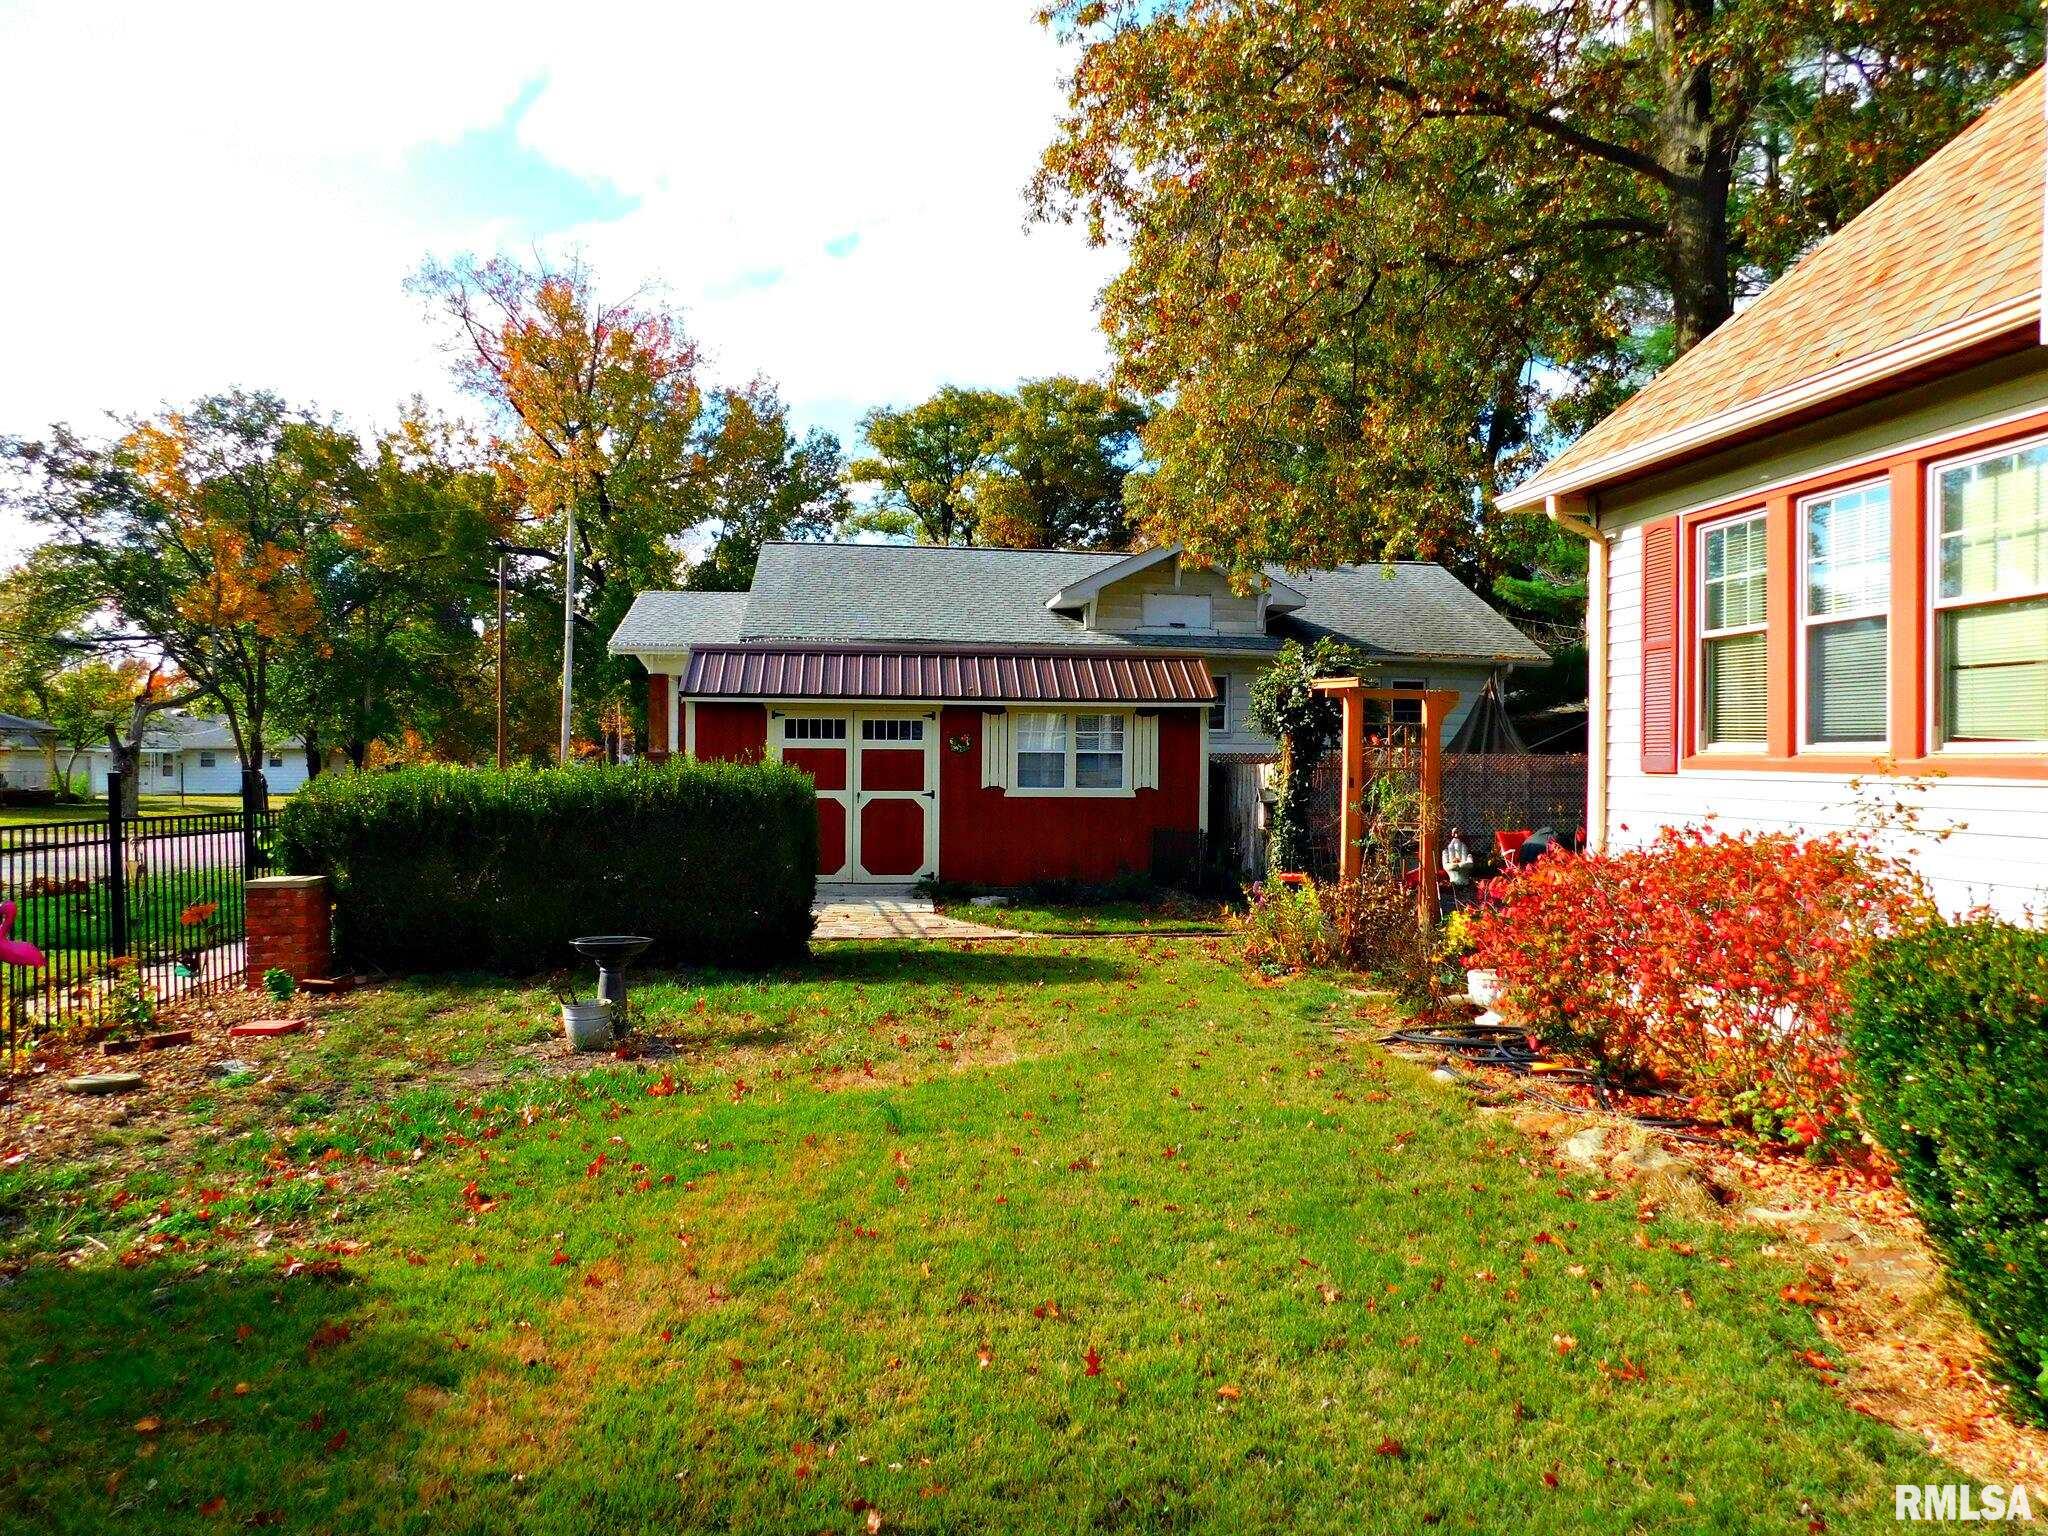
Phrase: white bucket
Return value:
(588, 1025)
(1483, 987)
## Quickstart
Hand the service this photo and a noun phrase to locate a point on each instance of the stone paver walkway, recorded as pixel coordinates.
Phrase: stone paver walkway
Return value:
(891, 912)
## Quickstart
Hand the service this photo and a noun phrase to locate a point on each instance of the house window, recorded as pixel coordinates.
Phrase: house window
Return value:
(1845, 593)
(814, 728)
(1991, 598)
(1219, 709)
(1177, 610)
(277, 759)
(891, 730)
(206, 759)
(1407, 711)
(1079, 753)
(170, 766)
(1733, 678)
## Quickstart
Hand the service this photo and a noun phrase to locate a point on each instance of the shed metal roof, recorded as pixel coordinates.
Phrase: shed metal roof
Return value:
(814, 672)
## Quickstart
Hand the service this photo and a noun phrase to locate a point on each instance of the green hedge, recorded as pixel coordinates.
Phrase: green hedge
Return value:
(438, 869)
(1949, 1040)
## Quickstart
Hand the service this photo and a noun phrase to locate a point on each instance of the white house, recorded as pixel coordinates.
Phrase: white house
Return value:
(25, 752)
(184, 754)
(1819, 593)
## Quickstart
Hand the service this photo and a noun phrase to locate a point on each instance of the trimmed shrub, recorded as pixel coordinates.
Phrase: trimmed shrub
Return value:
(437, 869)
(1718, 965)
(1949, 1043)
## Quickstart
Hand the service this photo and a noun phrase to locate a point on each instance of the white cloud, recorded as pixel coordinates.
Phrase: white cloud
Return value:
(220, 197)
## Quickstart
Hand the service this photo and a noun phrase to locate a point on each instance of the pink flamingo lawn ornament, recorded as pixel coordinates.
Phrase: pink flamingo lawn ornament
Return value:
(14, 951)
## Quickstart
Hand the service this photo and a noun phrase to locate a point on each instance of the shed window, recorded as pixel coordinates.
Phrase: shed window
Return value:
(814, 728)
(891, 730)
(1080, 754)
(1041, 751)
(1991, 599)
(1733, 679)
(206, 759)
(1219, 710)
(1845, 595)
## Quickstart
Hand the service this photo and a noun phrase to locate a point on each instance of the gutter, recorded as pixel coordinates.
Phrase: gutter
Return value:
(1575, 514)
(2023, 312)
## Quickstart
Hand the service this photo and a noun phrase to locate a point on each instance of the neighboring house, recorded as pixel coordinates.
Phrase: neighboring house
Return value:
(25, 752)
(998, 716)
(185, 755)
(1820, 542)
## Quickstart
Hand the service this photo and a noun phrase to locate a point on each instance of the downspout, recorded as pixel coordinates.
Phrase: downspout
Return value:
(1574, 514)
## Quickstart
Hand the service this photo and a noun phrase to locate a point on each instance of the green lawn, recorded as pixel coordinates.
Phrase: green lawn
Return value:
(150, 805)
(1045, 1237)
(156, 905)
(1171, 912)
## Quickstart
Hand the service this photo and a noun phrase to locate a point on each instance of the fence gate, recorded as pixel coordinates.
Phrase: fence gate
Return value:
(161, 893)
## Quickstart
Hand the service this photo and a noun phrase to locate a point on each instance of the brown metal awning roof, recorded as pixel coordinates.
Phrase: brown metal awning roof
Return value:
(1007, 677)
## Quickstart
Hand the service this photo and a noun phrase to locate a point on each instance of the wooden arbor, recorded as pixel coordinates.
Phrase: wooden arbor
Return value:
(1437, 704)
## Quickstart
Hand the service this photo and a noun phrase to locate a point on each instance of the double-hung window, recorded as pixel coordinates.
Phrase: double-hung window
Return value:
(1846, 593)
(1071, 752)
(1219, 708)
(1991, 599)
(1734, 680)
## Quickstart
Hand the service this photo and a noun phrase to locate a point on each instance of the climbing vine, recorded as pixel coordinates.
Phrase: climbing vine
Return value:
(1306, 723)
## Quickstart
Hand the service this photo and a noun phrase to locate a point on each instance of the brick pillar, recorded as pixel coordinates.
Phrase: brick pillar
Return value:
(290, 927)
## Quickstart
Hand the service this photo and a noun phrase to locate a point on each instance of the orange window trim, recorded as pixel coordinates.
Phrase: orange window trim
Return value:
(1911, 686)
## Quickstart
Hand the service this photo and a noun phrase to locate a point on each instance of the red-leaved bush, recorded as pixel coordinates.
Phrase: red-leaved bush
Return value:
(1716, 965)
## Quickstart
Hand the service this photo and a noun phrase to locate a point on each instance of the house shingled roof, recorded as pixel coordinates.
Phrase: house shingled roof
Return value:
(1946, 260)
(940, 595)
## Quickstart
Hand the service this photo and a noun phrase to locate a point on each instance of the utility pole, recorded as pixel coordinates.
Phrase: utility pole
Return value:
(503, 561)
(568, 628)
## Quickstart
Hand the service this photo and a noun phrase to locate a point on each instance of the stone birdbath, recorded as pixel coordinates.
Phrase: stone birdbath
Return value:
(611, 953)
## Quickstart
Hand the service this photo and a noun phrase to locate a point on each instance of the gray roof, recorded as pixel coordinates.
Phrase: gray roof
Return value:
(1407, 608)
(945, 595)
(21, 725)
(674, 621)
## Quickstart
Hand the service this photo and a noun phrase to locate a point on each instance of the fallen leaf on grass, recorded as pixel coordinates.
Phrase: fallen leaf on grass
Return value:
(1564, 1342)
(1391, 1448)
(148, 1426)
(1229, 1394)
(1092, 1362)
(214, 1506)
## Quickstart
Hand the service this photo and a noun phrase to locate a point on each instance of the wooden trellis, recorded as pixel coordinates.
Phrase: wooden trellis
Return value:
(1437, 704)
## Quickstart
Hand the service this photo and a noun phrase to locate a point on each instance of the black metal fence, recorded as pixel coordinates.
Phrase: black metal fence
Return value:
(163, 894)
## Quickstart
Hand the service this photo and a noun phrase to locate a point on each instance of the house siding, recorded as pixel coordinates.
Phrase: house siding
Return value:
(1120, 607)
(1239, 740)
(1995, 852)
(989, 838)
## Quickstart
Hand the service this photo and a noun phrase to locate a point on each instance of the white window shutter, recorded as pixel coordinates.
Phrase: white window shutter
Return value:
(1145, 752)
(995, 750)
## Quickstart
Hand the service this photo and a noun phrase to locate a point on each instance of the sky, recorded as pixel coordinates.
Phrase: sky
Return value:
(204, 195)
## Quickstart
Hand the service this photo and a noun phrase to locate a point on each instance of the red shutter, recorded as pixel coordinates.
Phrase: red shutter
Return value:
(1660, 647)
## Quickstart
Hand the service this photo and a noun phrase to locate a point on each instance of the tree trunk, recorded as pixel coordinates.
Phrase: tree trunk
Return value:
(314, 753)
(1697, 155)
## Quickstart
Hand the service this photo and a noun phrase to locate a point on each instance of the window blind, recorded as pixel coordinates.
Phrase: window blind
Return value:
(1995, 664)
(1736, 695)
(1846, 680)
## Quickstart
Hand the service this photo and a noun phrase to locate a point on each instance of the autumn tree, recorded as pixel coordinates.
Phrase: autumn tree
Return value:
(927, 463)
(752, 480)
(403, 582)
(1062, 449)
(595, 404)
(1379, 248)
(195, 529)
(92, 702)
